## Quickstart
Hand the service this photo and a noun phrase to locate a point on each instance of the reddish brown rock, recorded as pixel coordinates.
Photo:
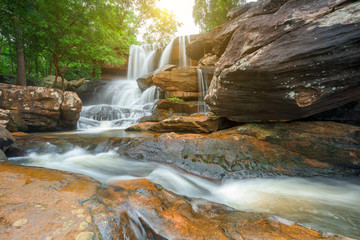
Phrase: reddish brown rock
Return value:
(46, 204)
(203, 44)
(172, 217)
(144, 126)
(181, 82)
(299, 60)
(12, 121)
(41, 108)
(146, 81)
(198, 123)
(188, 107)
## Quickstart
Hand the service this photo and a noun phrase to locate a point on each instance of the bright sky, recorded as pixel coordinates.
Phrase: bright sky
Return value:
(183, 11)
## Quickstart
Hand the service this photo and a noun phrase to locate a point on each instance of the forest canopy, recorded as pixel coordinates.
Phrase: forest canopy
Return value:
(73, 37)
(211, 13)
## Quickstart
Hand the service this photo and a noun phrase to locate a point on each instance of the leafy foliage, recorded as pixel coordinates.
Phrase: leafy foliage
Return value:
(210, 13)
(74, 37)
(175, 99)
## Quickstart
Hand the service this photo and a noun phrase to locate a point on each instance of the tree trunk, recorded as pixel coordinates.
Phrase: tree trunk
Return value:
(20, 69)
(58, 72)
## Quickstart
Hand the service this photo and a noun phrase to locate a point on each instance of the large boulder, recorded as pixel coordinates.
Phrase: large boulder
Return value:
(146, 81)
(41, 108)
(180, 83)
(298, 61)
(12, 121)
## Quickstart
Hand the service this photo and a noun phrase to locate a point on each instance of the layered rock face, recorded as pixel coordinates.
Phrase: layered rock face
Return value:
(41, 108)
(284, 60)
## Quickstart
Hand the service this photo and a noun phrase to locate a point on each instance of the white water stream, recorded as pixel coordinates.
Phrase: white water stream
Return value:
(322, 203)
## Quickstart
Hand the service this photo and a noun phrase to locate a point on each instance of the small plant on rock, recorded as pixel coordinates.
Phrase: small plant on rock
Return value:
(175, 99)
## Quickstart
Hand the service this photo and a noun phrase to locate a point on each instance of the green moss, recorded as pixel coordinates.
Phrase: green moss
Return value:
(175, 99)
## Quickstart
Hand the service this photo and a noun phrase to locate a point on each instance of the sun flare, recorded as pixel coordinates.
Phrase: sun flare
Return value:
(183, 11)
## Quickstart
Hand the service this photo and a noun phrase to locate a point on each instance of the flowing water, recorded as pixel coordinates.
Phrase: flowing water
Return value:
(203, 88)
(322, 203)
(121, 103)
(184, 60)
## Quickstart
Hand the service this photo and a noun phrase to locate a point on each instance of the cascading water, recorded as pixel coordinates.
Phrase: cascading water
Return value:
(121, 102)
(184, 60)
(203, 88)
(166, 56)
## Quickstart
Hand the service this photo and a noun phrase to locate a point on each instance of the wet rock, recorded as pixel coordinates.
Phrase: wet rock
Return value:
(198, 123)
(146, 81)
(145, 126)
(158, 214)
(12, 121)
(42, 109)
(327, 142)
(6, 139)
(180, 82)
(293, 63)
(188, 107)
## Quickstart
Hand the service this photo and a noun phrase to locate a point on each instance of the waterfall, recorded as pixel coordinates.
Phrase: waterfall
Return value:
(166, 55)
(142, 60)
(121, 103)
(203, 88)
(184, 60)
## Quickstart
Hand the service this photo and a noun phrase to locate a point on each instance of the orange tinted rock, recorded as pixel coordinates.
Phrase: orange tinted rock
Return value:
(172, 217)
(200, 124)
(188, 107)
(39, 204)
(145, 126)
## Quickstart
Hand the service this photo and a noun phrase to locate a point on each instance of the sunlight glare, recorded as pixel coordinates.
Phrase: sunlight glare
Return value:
(183, 11)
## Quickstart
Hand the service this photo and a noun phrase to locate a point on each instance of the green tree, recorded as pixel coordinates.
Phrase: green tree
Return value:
(74, 36)
(161, 28)
(210, 13)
